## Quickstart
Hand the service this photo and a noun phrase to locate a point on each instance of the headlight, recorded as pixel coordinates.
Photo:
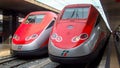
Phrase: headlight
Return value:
(54, 36)
(16, 37)
(34, 36)
(83, 36)
(59, 39)
(80, 37)
(76, 39)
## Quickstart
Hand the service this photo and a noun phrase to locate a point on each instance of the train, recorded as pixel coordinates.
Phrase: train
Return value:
(78, 35)
(31, 37)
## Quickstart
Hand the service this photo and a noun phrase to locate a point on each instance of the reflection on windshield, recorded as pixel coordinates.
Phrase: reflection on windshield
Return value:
(34, 18)
(80, 13)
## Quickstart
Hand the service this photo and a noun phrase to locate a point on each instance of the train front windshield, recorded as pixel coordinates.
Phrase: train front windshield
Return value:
(76, 13)
(34, 18)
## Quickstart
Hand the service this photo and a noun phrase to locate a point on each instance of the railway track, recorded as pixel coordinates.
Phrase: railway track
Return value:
(10, 62)
(13, 62)
(35, 63)
(6, 59)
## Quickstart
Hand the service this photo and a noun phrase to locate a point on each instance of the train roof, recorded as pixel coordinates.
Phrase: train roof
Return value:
(79, 5)
(41, 12)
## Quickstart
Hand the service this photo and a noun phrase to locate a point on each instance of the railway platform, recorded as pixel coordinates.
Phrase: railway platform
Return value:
(4, 50)
(110, 57)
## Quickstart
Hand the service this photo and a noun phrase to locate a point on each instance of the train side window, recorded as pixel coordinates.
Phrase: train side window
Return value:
(103, 25)
(98, 21)
(51, 24)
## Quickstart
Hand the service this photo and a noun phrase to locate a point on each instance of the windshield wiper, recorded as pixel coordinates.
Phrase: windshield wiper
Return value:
(77, 15)
(73, 13)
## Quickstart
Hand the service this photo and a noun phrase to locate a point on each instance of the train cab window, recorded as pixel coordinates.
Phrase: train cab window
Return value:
(34, 18)
(80, 13)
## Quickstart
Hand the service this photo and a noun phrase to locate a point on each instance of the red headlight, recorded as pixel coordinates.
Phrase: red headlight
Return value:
(83, 36)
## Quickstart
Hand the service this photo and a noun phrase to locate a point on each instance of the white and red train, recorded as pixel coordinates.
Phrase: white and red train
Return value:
(78, 35)
(31, 37)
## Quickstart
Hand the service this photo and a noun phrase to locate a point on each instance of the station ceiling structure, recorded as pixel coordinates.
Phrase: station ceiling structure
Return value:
(112, 7)
(25, 6)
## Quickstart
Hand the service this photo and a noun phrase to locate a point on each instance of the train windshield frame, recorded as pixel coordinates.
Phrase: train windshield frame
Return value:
(76, 13)
(34, 18)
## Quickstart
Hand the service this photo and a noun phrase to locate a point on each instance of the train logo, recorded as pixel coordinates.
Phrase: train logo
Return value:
(64, 53)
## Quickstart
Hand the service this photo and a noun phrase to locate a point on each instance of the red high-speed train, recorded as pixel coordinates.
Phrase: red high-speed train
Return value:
(31, 37)
(78, 35)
